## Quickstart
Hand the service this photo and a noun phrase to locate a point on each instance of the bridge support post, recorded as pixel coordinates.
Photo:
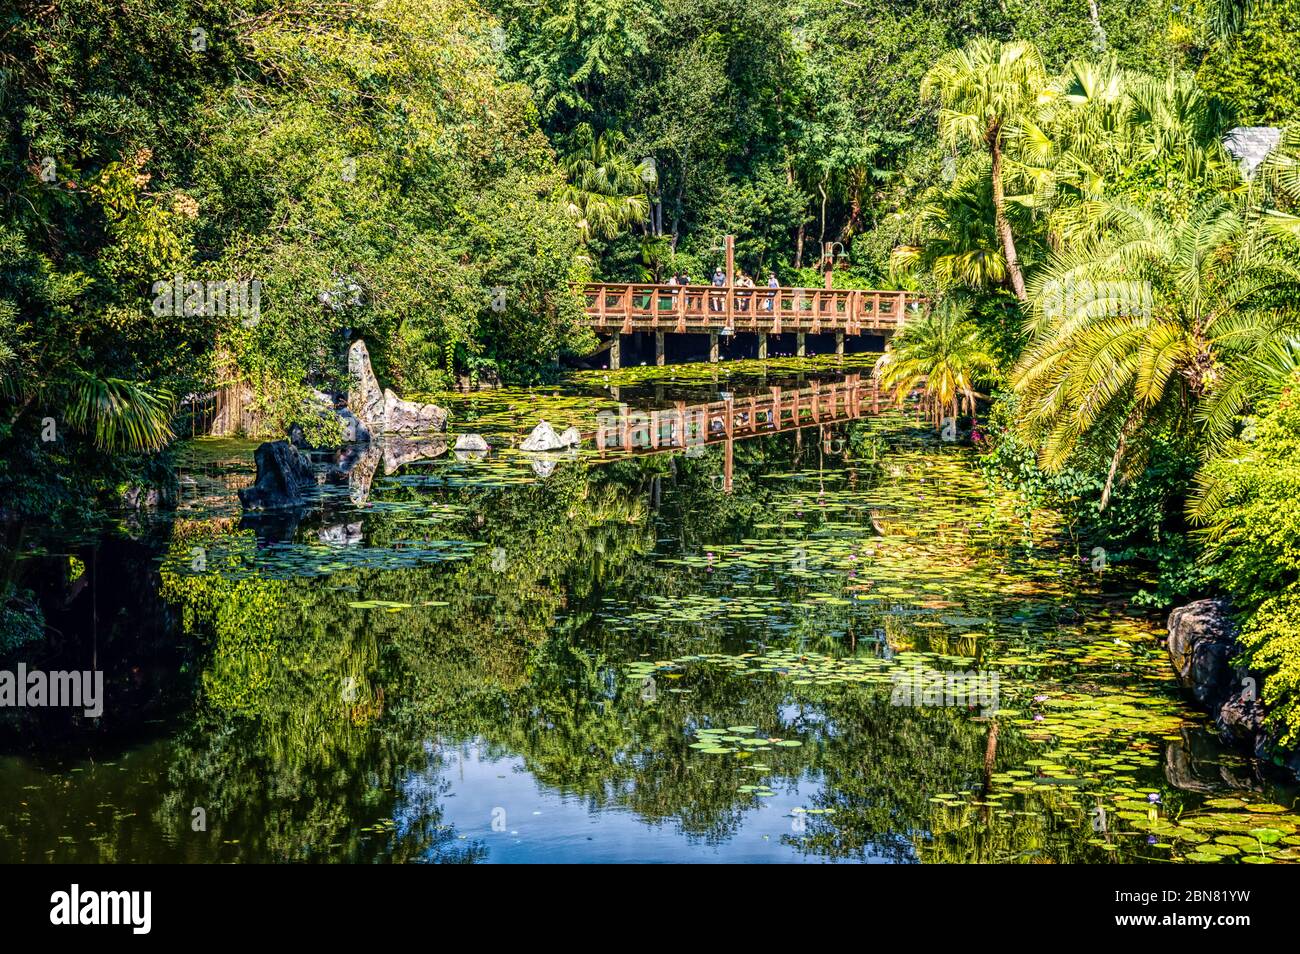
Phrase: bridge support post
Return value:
(614, 350)
(659, 348)
(839, 343)
(713, 347)
(762, 346)
(801, 340)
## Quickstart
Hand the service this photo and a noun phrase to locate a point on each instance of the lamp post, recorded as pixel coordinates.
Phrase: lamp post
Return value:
(828, 260)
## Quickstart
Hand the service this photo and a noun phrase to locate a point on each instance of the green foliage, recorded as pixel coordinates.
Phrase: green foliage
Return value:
(1271, 637)
(21, 620)
(1254, 67)
(942, 353)
(1252, 549)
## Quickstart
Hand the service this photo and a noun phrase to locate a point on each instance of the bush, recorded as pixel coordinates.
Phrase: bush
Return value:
(1253, 551)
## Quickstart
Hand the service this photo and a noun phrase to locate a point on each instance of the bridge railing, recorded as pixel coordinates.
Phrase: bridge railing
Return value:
(683, 426)
(628, 307)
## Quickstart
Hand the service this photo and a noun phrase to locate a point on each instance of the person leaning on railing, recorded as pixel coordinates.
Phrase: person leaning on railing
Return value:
(719, 281)
(743, 298)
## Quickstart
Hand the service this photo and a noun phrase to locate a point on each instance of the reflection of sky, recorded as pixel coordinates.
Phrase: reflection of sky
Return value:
(540, 825)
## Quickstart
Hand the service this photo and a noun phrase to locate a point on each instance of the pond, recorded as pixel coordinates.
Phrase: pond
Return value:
(811, 635)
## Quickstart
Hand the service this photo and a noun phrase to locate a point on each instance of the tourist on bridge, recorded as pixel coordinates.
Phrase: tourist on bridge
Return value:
(744, 281)
(719, 280)
(771, 295)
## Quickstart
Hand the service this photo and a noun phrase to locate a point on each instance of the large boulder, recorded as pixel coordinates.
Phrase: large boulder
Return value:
(544, 438)
(1202, 640)
(283, 475)
(365, 396)
(411, 417)
(1202, 646)
(380, 410)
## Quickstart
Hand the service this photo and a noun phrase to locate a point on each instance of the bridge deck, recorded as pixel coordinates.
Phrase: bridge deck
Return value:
(698, 309)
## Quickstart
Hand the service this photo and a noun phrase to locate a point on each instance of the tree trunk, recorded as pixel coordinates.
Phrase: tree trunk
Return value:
(821, 238)
(1110, 475)
(1098, 30)
(1000, 212)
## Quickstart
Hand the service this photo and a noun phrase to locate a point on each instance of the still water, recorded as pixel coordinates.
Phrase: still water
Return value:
(813, 635)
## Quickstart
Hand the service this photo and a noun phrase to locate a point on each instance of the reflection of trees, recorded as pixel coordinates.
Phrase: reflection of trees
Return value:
(314, 714)
(313, 708)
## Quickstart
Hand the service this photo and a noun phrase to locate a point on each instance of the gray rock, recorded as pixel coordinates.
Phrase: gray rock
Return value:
(1202, 640)
(1240, 720)
(380, 410)
(571, 437)
(283, 475)
(543, 438)
(471, 442)
(1202, 645)
(411, 417)
(365, 397)
(341, 535)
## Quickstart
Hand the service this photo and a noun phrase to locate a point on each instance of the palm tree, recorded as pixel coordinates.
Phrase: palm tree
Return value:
(944, 355)
(955, 236)
(1280, 178)
(1098, 125)
(122, 415)
(607, 190)
(984, 90)
(1140, 325)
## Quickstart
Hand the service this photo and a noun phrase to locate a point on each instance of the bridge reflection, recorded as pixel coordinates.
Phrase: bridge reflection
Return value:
(684, 427)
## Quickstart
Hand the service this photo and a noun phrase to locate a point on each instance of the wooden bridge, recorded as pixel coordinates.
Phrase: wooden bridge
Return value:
(619, 309)
(682, 427)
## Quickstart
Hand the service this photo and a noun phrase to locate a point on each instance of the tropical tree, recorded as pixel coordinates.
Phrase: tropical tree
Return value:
(984, 90)
(956, 238)
(944, 355)
(1137, 327)
(1103, 132)
(607, 190)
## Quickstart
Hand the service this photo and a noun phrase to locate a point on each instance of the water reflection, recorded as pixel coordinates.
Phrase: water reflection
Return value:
(660, 651)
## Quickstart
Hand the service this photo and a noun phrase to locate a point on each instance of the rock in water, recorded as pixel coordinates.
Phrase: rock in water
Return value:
(471, 442)
(411, 417)
(341, 534)
(543, 438)
(1202, 644)
(571, 437)
(365, 397)
(1201, 641)
(283, 473)
(380, 410)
